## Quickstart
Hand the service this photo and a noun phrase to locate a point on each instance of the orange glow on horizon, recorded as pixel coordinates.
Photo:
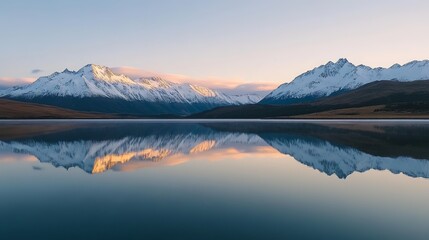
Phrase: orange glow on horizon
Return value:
(211, 154)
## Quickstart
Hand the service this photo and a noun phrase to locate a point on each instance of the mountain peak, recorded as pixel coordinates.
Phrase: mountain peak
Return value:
(396, 65)
(155, 94)
(342, 76)
(342, 61)
(92, 68)
(102, 73)
(339, 63)
(67, 71)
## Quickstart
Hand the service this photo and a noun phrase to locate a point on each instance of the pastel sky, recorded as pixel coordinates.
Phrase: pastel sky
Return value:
(224, 43)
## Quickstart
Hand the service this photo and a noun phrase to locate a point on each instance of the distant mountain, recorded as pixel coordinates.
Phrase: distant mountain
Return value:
(387, 99)
(333, 78)
(97, 88)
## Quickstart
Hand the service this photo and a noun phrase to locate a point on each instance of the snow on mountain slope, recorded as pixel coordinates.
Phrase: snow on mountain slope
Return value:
(99, 81)
(245, 98)
(343, 75)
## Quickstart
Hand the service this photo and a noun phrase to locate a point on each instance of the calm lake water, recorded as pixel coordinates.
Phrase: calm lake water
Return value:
(214, 180)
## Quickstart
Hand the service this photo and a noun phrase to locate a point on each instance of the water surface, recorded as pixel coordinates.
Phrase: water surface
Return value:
(214, 179)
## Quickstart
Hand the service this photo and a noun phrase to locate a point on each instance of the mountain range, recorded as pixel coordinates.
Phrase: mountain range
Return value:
(341, 76)
(399, 89)
(379, 99)
(96, 88)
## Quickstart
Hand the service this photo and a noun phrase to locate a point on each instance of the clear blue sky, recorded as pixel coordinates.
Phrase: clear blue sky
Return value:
(254, 41)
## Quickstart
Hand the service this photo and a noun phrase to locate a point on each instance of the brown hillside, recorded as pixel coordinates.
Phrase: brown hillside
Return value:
(21, 110)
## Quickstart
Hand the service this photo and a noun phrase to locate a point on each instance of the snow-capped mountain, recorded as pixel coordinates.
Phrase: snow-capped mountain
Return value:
(342, 76)
(99, 82)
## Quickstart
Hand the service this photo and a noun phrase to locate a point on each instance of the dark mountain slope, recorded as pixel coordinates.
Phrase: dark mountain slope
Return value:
(391, 97)
(14, 109)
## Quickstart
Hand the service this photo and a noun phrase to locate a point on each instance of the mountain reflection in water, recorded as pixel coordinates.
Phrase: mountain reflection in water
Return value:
(331, 147)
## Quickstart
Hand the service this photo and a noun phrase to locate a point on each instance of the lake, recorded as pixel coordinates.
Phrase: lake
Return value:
(214, 179)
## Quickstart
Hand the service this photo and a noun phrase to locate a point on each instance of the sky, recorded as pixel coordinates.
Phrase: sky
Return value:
(248, 44)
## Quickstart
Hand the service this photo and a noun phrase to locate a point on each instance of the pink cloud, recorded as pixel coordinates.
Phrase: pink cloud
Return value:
(231, 85)
(10, 82)
(258, 88)
(138, 73)
(227, 85)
